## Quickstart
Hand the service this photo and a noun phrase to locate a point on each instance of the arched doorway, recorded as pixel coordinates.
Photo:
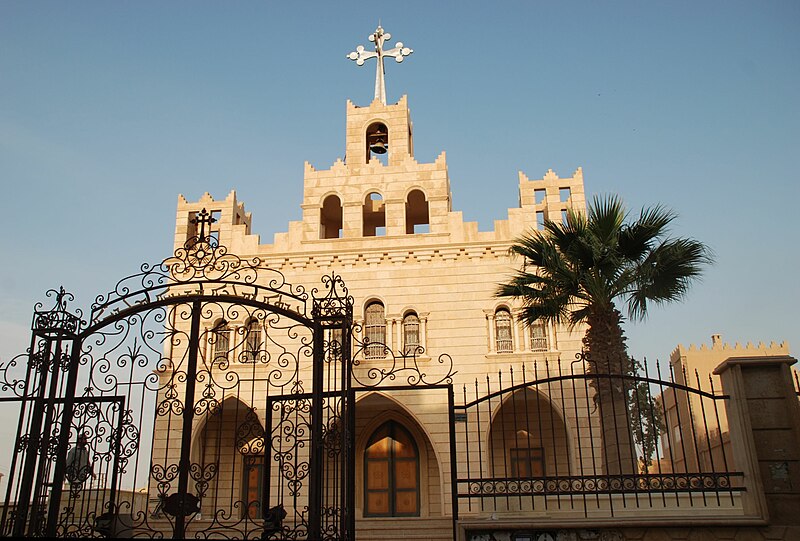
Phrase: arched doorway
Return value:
(528, 438)
(397, 468)
(391, 473)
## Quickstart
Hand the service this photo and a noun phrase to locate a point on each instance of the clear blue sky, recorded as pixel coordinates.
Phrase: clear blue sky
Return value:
(109, 110)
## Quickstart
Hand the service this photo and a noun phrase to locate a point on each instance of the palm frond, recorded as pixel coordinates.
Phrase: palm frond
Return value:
(595, 258)
(666, 274)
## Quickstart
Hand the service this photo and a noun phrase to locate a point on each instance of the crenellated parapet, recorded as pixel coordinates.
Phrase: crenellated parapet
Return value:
(552, 194)
(704, 358)
(379, 195)
(230, 219)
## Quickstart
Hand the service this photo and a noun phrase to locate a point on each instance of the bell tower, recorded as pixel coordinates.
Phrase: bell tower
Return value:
(379, 130)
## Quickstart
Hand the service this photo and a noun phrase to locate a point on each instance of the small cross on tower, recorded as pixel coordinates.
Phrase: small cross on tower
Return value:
(360, 55)
(202, 218)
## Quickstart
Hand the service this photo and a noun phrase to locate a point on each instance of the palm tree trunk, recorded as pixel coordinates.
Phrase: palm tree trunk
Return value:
(604, 346)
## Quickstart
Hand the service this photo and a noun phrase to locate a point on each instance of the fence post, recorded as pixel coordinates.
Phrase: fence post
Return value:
(764, 424)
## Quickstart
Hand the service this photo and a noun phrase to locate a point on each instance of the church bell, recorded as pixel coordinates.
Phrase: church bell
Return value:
(377, 141)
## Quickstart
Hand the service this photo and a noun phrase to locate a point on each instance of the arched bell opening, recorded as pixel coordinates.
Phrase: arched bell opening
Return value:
(330, 218)
(374, 214)
(377, 140)
(417, 215)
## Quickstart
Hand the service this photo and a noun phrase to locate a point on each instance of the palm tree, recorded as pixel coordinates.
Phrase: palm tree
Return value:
(581, 271)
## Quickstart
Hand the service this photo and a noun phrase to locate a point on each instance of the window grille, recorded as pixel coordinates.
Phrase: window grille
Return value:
(538, 337)
(411, 334)
(252, 346)
(502, 326)
(375, 331)
(222, 342)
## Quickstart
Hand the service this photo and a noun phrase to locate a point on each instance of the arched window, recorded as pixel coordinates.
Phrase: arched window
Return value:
(502, 329)
(410, 334)
(538, 336)
(374, 214)
(330, 218)
(375, 331)
(252, 344)
(417, 220)
(391, 473)
(222, 340)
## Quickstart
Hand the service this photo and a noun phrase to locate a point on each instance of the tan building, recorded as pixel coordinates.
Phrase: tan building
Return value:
(687, 444)
(423, 282)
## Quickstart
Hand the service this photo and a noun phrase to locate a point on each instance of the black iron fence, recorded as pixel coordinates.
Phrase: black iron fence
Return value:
(553, 435)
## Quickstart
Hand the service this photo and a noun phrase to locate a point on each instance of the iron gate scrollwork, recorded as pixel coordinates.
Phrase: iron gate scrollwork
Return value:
(179, 407)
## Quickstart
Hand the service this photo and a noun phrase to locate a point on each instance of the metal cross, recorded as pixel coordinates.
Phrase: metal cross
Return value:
(202, 218)
(398, 53)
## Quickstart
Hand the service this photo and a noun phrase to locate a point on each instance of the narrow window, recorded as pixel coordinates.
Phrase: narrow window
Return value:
(375, 331)
(330, 218)
(222, 339)
(564, 216)
(391, 473)
(213, 227)
(253, 472)
(374, 215)
(539, 220)
(411, 334)
(252, 346)
(538, 196)
(502, 326)
(538, 336)
(564, 194)
(417, 217)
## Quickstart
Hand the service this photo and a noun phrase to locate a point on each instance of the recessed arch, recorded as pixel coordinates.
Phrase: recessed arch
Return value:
(417, 212)
(528, 436)
(330, 217)
(375, 408)
(374, 215)
(230, 436)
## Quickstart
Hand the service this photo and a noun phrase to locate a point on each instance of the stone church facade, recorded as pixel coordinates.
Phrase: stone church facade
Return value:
(423, 283)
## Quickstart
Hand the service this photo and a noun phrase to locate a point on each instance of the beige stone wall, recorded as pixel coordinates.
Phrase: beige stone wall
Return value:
(694, 366)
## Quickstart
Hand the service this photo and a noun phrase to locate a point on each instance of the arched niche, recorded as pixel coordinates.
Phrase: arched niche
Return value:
(373, 411)
(374, 215)
(528, 437)
(417, 213)
(330, 218)
(227, 458)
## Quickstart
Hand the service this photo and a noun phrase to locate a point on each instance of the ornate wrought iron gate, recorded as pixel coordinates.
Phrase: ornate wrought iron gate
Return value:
(179, 407)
